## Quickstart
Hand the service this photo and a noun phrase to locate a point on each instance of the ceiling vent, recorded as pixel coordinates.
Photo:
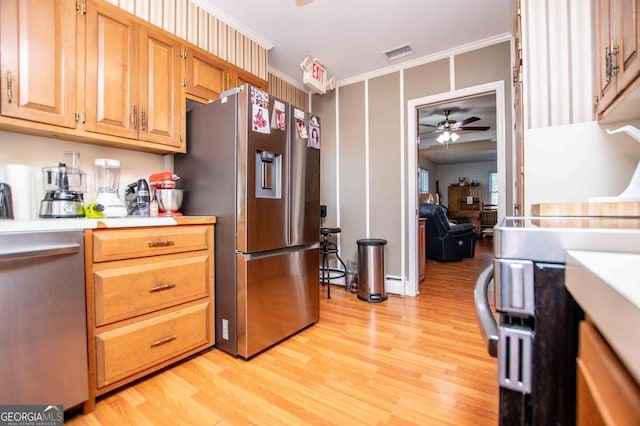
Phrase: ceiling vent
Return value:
(398, 52)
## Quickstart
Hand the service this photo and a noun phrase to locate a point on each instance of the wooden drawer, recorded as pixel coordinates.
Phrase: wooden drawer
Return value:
(124, 289)
(606, 393)
(127, 350)
(128, 243)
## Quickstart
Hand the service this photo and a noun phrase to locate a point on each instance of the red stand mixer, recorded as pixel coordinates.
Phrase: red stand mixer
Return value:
(163, 187)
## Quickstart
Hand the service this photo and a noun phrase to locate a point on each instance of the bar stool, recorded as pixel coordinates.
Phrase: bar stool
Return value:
(328, 248)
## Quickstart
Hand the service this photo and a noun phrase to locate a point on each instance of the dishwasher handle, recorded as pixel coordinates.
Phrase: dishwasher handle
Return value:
(40, 251)
(486, 321)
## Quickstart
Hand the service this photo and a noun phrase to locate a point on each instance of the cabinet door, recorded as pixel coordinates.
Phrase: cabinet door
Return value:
(240, 77)
(38, 60)
(453, 195)
(111, 71)
(606, 394)
(604, 37)
(161, 92)
(628, 32)
(206, 76)
(518, 120)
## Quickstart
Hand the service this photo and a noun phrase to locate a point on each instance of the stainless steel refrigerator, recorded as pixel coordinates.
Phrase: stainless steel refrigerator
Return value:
(248, 164)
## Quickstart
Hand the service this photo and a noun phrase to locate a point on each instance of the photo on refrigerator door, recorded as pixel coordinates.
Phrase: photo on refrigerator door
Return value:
(279, 117)
(259, 122)
(301, 126)
(314, 132)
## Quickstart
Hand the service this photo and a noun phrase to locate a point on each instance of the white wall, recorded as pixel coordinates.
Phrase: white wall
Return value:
(448, 174)
(573, 162)
(38, 152)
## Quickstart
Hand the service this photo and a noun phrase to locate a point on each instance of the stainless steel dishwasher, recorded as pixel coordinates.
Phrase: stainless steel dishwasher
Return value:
(43, 333)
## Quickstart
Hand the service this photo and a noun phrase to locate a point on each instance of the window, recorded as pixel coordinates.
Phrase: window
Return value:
(493, 188)
(423, 180)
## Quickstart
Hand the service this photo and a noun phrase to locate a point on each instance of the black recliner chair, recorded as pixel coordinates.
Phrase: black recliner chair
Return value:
(447, 242)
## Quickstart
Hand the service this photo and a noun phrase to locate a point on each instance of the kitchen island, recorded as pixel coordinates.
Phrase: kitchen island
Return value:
(607, 287)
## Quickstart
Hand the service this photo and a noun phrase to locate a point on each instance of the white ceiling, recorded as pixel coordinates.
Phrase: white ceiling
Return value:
(349, 36)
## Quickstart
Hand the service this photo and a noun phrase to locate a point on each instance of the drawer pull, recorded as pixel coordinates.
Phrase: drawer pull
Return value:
(161, 243)
(163, 341)
(161, 287)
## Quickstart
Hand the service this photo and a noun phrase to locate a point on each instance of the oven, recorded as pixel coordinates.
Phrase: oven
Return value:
(531, 323)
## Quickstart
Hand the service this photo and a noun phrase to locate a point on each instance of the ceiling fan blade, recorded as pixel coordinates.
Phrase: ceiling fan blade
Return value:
(428, 125)
(427, 132)
(473, 128)
(467, 121)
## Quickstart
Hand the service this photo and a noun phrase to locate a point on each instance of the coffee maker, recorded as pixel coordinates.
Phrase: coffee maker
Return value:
(63, 188)
(137, 197)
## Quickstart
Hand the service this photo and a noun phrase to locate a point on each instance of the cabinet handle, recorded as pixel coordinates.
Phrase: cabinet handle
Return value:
(163, 341)
(611, 60)
(134, 117)
(9, 87)
(161, 243)
(144, 120)
(161, 287)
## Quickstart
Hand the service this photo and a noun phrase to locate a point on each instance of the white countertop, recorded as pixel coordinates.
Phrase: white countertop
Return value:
(82, 223)
(607, 287)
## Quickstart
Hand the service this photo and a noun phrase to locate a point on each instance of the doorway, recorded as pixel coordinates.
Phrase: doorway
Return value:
(438, 104)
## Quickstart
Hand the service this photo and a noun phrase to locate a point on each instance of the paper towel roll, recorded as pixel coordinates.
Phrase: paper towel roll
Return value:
(20, 178)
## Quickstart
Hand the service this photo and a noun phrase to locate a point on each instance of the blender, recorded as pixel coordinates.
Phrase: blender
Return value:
(63, 185)
(107, 184)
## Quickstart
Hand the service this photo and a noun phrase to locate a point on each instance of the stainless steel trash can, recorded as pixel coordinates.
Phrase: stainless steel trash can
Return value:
(371, 270)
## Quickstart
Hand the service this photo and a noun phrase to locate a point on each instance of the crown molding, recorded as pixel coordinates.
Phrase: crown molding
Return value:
(500, 38)
(232, 22)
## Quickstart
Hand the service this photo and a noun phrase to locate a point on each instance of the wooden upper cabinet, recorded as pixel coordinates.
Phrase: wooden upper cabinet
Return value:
(206, 75)
(38, 61)
(518, 117)
(604, 43)
(240, 77)
(111, 71)
(618, 45)
(133, 78)
(628, 24)
(161, 93)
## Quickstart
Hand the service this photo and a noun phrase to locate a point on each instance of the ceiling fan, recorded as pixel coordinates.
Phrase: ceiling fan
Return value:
(449, 128)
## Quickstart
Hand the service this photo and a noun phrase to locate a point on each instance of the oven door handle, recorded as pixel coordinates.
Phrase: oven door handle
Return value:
(486, 321)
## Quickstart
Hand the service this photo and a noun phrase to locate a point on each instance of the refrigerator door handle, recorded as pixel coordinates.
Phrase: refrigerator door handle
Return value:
(278, 252)
(486, 321)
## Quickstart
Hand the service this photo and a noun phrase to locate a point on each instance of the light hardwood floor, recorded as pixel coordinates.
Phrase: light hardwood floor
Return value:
(405, 361)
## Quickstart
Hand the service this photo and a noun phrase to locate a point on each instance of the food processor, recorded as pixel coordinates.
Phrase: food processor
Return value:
(63, 186)
(107, 181)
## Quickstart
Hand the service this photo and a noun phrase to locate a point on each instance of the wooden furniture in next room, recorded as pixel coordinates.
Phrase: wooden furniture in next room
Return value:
(465, 203)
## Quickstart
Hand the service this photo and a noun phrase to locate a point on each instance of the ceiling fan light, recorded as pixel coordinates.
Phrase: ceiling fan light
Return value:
(441, 138)
(454, 137)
